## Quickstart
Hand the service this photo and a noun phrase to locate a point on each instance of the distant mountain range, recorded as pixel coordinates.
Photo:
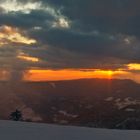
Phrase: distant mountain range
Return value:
(86, 102)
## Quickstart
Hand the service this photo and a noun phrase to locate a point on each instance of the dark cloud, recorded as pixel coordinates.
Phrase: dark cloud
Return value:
(96, 33)
(107, 16)
(26, 21)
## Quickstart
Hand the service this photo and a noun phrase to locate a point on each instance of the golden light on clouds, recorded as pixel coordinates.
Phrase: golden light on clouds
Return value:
(15, 6)
(28, 58)
(68, 74)
(12, 35)
(134, 66)
(62, 23)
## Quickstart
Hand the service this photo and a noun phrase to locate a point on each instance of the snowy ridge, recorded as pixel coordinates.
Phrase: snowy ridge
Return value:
(31, 131)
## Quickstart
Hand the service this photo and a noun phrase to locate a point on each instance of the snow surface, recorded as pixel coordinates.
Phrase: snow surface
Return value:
(31, 131)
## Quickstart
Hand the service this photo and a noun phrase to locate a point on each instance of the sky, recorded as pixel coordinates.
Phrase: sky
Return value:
(44, 40)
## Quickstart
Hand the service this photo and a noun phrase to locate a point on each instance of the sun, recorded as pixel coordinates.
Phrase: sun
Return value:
(109, 73)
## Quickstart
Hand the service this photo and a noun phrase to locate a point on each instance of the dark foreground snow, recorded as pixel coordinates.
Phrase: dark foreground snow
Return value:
(31, 131)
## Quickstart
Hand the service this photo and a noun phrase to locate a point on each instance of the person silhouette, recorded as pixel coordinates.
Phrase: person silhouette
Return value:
(16, 116)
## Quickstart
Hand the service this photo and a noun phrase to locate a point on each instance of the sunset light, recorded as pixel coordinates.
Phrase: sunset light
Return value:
(10, 34)
(68, 74)
(134, 66)
(70, 62)
(28, 58)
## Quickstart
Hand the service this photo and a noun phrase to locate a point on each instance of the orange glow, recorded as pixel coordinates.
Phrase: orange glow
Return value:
(68, 74)
(4, 74)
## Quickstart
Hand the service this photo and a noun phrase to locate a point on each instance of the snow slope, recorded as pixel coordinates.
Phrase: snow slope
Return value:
(31, 131)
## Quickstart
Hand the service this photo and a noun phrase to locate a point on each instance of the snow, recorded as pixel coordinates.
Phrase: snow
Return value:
(30, 131)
